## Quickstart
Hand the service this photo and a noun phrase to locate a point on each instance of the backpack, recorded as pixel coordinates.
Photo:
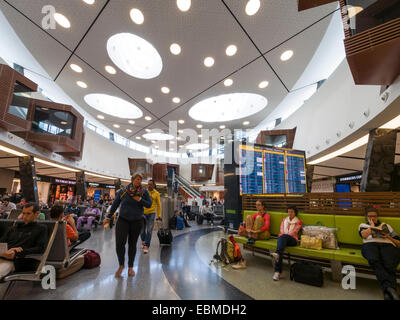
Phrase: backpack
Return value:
(237, 253)
(179, 223)
(221, 253)
(172, 223)
(92, 259)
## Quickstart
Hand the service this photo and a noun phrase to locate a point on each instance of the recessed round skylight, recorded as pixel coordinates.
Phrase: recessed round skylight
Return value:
(263, 84)
(81, 84)
(147, 118)
(209, 62)
(197, 146)
(184, 5)
(175, 48)
(228, 107)
(62, 20)
(100, 117)
(252, 7)
(137, 16)
(181, 121)
(165, 90)
(228, 82)
(131, 122)
(176, 100)
(157, 136)
(76, 68)
(199, 126)
(134, 55)
(148, 100)
(287, 55)
(113, 106)
(116, 126)
(110, 70)
(231, 50)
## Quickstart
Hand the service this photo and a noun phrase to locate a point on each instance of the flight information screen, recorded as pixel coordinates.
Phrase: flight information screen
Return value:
(268, 170)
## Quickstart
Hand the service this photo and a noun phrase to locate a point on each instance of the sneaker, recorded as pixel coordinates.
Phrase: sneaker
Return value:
(275, 258)
(145, 250)
(240, 265)
(276, 276)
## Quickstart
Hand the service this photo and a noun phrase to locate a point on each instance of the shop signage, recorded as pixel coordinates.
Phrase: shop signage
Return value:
(91, 184)
(351, 178)
(110, 187)
(61, 181)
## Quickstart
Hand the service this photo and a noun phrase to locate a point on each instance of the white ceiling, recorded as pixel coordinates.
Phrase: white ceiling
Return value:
(205, 30)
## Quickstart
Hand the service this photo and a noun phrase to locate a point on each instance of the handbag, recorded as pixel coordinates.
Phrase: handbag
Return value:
(92, 259)
(307, 273)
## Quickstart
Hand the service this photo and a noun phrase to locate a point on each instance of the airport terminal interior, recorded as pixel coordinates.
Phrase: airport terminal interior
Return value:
(199, 149)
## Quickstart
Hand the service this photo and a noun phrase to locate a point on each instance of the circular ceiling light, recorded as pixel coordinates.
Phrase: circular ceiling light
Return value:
(158, 136)
(137, 16)
(222, 127)
(228, 107)
(252, 7)
(263, 84)
(116, 126)
(148, 100)
(147, 118)
(246, 123)
(287, 55)
(113, 106)
(134, 55)
(175, 48)
(138, 138)
(209, 62)
(228, 82)
(62, 20)
(131, 122)
(129, 130)
(199, 126)
(81, 84)
(183, 5)
(172, 142)
(76, 68)
(197, 146)
(180, 131)
(64, 123)
(110, 70)
(176, 100)
(165, 90)
(148, 130)
(100, 117)
(231, 50)
(89, 1)
(181, 121)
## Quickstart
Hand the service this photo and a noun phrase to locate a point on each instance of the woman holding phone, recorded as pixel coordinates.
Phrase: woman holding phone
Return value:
(131, 201)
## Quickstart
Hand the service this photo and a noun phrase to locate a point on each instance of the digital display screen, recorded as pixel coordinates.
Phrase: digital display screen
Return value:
(268, 170)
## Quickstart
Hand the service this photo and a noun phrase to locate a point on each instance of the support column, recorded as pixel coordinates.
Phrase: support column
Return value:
(80, 185)
(379, 161)
(117, 184)
(27, 172)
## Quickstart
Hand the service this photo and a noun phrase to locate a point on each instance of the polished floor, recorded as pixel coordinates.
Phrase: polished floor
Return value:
(184, 271)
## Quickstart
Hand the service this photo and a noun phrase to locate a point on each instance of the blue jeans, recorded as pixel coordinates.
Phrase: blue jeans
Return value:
(147, 229)
(283, 241)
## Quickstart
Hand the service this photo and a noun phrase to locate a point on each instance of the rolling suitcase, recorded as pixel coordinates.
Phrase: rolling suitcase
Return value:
(164, 234)
(200, 219)
(307, 273)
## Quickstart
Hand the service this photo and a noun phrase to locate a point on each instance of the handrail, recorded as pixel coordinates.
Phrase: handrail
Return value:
(186, 186)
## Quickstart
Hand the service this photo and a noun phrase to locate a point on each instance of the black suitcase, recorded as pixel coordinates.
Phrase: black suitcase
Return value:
(200, 219)
(307, 273)
(165, 236)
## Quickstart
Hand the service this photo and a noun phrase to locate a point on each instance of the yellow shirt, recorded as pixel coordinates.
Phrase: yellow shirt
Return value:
(155, 198)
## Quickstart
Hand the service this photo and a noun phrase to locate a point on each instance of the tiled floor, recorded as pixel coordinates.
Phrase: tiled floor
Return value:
(183, 271)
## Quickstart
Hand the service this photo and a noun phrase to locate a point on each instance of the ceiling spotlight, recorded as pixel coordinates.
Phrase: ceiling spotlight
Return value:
(137, 16)
(180, 131)
(246, 123)
(252, 7)
(138, 138)
(100, 117)
(183, 5)
(81, 84)
(148, 130)
(89, 1)
(287, 55)
(148, 100)
(200, 135)
(64, 123)
(228, 82)
(116, 126)
(222, 127)
(172, 142)
(209, 62)
(129, 130)
(180, 146)
(231, 50)
(181, 122)
(153, 141)
(175, 49)
(199, 126)
(76, 68)
(131, 122)
(147, 118)
(62, 20)
(165, 90)
(263, 84)
(110, 70)
(176, 100)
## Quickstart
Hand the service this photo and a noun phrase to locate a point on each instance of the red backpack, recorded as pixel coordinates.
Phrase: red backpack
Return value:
(92, 259)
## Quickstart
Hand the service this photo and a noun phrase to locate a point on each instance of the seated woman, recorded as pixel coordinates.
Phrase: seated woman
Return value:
(288, 236)
(257, 225)
(381, 249)
(92, 213)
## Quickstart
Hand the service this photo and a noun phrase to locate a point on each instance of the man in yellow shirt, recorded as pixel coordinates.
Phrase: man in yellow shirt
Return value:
(150, 215)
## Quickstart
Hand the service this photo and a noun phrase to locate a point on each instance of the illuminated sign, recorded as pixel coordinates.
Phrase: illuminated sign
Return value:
(61, 181)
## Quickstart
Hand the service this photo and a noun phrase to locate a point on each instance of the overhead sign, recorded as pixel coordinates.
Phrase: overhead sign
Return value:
(351, 178)
(61, 181)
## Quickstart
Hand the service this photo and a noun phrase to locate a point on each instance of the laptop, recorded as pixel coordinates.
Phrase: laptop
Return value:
(3, 247)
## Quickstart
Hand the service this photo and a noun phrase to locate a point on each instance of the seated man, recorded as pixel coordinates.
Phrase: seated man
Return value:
(57, 214)
(381, 249)
(89, 216)
(6, 207)
(207, 212)
(23, 239)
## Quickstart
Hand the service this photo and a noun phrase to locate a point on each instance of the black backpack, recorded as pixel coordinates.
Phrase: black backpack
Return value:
(165, 236)
(307, 273)
(172, 223)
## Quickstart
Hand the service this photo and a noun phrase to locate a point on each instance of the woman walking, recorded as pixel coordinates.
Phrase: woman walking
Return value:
(131, 201)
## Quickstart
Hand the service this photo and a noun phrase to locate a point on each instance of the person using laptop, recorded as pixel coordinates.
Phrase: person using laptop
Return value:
(22, 239)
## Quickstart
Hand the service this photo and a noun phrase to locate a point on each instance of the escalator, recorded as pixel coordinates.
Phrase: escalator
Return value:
(185, 185)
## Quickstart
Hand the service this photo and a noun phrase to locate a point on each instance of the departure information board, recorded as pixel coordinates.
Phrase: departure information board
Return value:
(268, 170)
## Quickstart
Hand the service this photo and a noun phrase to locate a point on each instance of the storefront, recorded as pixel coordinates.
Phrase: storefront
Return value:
(99, 191)
(63, 190)
(348, 183)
